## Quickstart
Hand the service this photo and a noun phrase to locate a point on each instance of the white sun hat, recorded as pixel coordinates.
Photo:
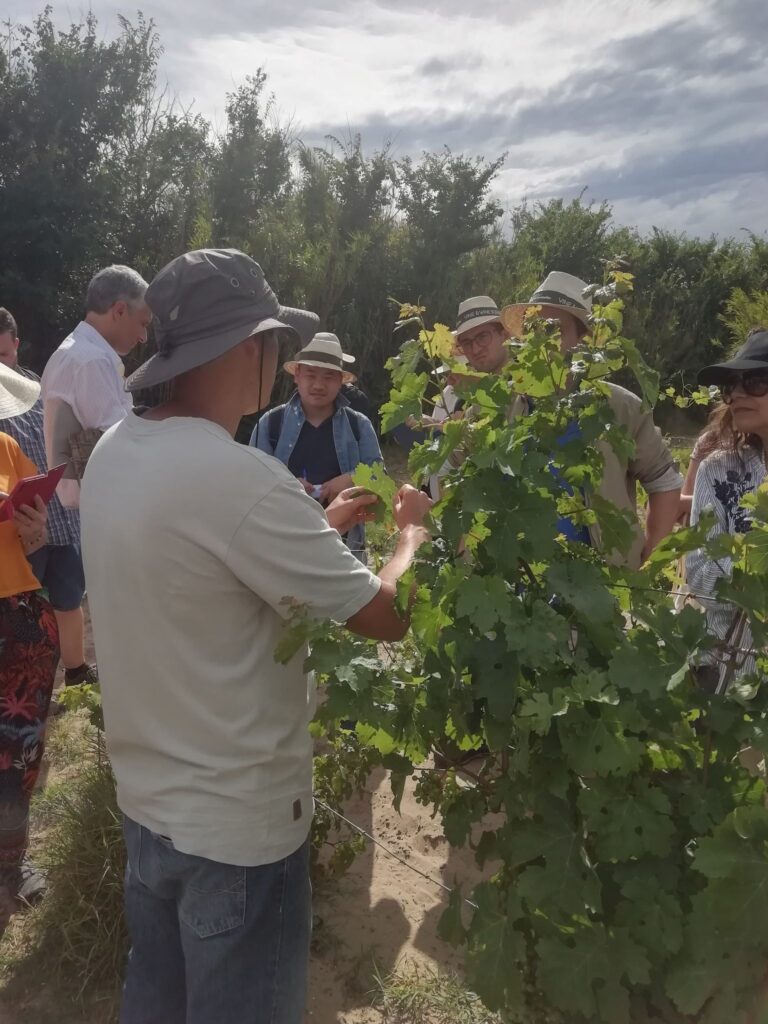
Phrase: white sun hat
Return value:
(480, 309)
(17, 394)
(557, 289)
(324, 351)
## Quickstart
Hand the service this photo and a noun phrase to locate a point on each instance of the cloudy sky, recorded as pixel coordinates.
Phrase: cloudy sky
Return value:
(658, 106)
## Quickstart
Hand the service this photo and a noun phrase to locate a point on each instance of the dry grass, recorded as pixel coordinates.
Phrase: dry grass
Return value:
(63, 960)
(422, 995)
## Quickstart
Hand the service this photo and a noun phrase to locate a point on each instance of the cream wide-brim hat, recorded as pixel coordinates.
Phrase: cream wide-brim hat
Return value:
(17, 393)
(557, 289)
(324, 351)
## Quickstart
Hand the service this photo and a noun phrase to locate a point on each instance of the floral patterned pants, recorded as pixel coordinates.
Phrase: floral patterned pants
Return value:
(29, 654)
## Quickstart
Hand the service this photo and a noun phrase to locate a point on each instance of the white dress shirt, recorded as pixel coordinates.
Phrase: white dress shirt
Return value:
(86, 373)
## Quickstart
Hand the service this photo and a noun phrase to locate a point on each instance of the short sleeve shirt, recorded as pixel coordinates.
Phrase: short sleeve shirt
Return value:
(86, 374)
(196, 549)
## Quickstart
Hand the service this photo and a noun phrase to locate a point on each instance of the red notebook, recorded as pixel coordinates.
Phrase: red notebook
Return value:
(28, 488)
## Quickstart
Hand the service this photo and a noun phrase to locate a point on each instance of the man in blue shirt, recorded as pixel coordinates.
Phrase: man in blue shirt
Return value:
(317, 434)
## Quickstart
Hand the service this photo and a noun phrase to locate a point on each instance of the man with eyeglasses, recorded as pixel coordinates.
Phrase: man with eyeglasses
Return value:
(483, 334)
(480, 334)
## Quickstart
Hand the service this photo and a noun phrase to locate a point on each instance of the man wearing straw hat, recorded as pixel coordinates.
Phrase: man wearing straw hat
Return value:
(317, 434)
(560, 297)
(197, 549)
(480, 334)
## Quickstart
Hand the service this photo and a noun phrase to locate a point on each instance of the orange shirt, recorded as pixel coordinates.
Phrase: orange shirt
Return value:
(16, 576)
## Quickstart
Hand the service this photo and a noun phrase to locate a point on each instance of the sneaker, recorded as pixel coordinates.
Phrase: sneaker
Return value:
(32, 884)
(84, 674)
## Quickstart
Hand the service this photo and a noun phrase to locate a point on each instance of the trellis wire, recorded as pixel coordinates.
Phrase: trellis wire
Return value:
(390, 853)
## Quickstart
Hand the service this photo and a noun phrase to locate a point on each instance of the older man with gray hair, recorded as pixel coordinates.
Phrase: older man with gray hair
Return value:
(83, 381)
(82, 389)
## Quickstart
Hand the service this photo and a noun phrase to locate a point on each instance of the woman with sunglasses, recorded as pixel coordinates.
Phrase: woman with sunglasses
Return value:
(737, 467)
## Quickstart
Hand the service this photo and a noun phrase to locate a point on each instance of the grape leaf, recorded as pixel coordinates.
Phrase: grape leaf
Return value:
(495, 676)
(627, 823)
(735, 859)
(482, 600)
(438, 343)
(542, 638)
(596, 746)
(538, 710)
(647, 378)
(404, 401)
(583, 587)
(450, 927)
(561, 887)
(651, 914)
(376, 480)
(496, 948)
(586, 972)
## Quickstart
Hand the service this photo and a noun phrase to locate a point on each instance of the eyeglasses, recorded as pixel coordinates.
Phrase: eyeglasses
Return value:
(753, 383)
(483, 338)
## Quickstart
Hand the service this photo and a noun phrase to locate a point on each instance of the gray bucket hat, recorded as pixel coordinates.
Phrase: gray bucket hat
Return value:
(203, 304)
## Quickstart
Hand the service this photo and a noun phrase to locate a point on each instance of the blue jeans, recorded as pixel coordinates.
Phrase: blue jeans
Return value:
(213, 943)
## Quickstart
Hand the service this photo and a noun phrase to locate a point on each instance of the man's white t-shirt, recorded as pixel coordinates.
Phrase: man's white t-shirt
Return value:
(194, 549)
(86, 374)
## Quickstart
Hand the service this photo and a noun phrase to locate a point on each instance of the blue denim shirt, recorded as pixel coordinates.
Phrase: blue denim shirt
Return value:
(349, 451)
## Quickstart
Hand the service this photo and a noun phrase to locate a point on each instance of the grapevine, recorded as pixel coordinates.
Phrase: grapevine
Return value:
(626, 837)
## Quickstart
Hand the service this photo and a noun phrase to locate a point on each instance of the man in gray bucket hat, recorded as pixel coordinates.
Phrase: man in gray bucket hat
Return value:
(196, 550)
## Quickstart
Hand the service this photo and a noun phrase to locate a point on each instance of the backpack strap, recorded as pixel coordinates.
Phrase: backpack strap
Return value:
(354, 422)
(275, 425)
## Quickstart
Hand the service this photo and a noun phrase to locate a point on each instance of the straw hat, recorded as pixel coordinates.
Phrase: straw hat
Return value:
(557, 289)
(324, 351)
(480, 309)
(17, 394)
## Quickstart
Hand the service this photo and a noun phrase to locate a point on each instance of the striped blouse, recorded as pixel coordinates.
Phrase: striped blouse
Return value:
(721, 482)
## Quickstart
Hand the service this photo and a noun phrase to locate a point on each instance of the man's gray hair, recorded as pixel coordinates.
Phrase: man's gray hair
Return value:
(114, 284)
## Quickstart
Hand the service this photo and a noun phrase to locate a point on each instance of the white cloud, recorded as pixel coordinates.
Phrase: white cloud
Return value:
(581, 93)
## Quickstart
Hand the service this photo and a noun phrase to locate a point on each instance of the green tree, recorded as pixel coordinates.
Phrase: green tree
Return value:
(93, 168)
(447, 203)
(252, 164)
(683, 285)
(329, 246)
(743, 313)
(162, 165)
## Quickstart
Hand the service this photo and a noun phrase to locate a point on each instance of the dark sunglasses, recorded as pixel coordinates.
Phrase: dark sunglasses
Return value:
(754, 383)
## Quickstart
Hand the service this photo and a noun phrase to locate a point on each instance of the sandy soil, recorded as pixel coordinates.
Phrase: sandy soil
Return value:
(382, 912)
